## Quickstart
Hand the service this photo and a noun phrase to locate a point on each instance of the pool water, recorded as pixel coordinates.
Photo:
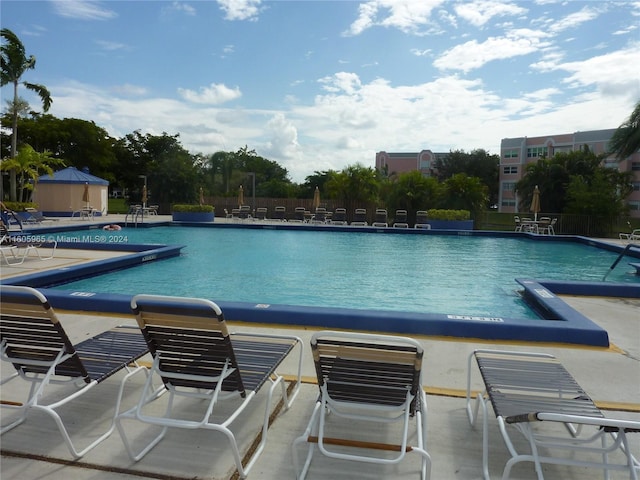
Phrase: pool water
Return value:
(461, 275)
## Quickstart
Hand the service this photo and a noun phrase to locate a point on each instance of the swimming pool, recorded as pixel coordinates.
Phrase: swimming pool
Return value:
(461, 275)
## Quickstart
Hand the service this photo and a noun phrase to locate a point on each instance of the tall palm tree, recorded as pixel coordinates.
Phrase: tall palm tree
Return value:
(15, 63)
(626, 139)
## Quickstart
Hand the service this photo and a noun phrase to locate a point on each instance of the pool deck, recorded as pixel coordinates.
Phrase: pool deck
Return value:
(611, 376)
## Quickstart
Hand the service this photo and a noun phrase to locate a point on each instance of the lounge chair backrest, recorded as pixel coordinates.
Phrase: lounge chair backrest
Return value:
(32, 337)
(364, 368)
(360, 215)
(422, 216)
(191, 343)
(279, 213)
(401, 216)
(298, 213)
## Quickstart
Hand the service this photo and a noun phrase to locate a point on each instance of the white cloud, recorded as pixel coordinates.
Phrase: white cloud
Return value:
(214, 94)
(179, 7)
(130, 90)
(473, 54)
(240, 9)
(613, 73)
(82, 10)
(341, 81)
(405, 15)
(420, 53)
(111, 46)
(575, 19)
(354, 119)
(479, 12)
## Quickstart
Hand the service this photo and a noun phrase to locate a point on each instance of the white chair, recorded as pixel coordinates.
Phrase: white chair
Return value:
(530, 392)
(372, 379)
(400, 219)
(197, 358)
(548, 228)
(516, 219)
(35, 343)
(422, 217)
(380, 219)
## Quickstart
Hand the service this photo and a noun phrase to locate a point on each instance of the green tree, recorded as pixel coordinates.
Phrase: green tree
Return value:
(14, 63)
(29, 165)
(354, 185)
(412, 191)
(601, 194)
(477, 163)
(626, 139)
(552, 178)
(463, 192)
(81, 143)
(564, 180)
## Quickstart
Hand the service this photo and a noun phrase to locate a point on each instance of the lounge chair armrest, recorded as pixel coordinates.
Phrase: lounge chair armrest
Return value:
(607, 423)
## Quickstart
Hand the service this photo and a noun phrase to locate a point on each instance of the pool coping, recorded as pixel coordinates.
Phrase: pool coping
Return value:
(560, 322)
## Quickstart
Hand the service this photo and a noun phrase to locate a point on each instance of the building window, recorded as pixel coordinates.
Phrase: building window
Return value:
(634, 205)
(508, 186)
(511, 153)
(535, 152)
(635, 166)
(510, 170)
(508, 203)
(636, 186)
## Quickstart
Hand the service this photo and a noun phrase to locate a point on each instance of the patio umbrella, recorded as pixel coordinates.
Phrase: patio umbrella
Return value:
(535, 203)
(240, 196)
(316, 198)
(201, 196)
(144, 196)
(85, 194)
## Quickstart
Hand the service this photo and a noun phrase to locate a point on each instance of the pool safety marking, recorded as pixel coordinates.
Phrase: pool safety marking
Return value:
(476, 318)
(262, 305)
(148, 258)
(82, 294)
(544, 293)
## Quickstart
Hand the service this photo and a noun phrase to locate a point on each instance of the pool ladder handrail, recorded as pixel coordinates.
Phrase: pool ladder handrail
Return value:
(136, 211)
(620, 257)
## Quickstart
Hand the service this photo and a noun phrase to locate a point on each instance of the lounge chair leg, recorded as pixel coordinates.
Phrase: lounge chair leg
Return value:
(310, 430)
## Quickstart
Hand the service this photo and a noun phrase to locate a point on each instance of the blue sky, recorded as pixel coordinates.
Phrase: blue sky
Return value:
(318, 85)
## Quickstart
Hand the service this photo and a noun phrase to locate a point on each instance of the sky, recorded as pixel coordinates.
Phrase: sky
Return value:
(320, 85)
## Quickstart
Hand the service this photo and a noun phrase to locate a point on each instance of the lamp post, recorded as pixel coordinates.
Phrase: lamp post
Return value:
(253, 192)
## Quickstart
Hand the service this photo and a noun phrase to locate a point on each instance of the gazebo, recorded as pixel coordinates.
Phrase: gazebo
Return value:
(70, 190)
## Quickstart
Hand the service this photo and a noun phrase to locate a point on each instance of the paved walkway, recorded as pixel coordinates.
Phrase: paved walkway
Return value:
(611, 376)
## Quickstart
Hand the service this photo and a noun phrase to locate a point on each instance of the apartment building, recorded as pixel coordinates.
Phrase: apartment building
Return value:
(516, 153)
(407, 162)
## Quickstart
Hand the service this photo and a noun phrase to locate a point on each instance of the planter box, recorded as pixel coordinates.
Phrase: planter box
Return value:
(451, 224)
(193, 216)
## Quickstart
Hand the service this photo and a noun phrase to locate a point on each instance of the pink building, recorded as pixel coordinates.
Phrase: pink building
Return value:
(407, 162)
(516, 153)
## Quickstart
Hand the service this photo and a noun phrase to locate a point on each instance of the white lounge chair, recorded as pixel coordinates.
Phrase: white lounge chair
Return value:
(368, 378)
(421, 220)
(196, 357)
(380, 219)
(35, 343)
(400, 219)
(530, 390)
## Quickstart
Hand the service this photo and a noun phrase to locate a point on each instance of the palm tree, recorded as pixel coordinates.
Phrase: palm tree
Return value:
(626, 139)
(15, 63)
(29, 165)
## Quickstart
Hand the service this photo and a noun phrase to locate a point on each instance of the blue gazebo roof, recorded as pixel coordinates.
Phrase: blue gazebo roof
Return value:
(72, 175)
